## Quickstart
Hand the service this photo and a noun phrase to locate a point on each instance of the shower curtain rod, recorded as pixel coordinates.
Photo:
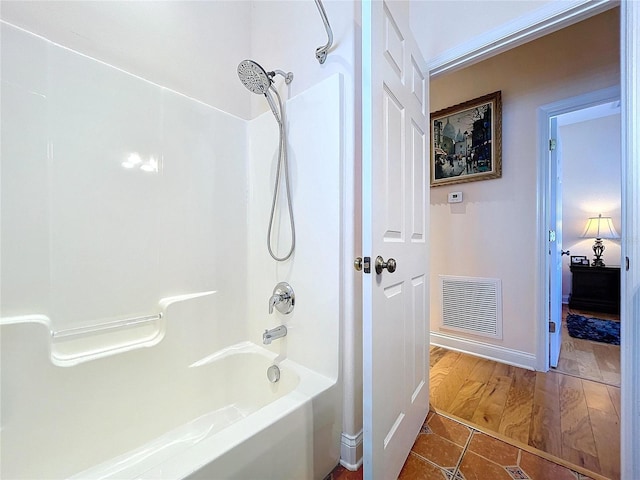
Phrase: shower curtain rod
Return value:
(321, 52)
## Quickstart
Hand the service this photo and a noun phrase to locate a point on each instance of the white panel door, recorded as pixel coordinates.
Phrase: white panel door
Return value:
(395, 220)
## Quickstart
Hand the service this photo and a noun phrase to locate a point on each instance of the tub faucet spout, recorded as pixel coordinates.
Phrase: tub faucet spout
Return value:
(274, 333)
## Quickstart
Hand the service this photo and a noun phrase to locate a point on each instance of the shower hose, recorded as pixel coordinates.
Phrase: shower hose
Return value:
(283, 164)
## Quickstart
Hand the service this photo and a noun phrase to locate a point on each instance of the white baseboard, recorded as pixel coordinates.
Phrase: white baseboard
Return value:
(484, 350)
(565, 299)
(351, 451)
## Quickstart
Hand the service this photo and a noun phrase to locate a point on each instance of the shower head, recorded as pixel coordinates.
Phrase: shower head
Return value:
(254, 77)
(258, 80)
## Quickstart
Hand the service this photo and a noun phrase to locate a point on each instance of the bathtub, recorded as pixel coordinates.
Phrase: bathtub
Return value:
(247, 424)
(216, 418)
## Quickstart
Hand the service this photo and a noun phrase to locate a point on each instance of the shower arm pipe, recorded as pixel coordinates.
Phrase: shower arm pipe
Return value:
(321, 52)
(288, 76)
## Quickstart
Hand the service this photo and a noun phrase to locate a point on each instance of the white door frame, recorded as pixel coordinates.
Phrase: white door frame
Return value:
(630, 285)
(549, 18)
(544, 201)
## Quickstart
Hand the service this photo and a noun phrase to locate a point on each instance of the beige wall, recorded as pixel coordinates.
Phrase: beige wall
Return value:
(493, 232)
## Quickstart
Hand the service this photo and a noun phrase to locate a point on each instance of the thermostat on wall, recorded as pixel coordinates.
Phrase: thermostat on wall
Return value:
(455, 197)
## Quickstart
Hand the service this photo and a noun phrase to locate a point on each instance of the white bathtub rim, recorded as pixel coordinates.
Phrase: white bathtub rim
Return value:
(192, 459)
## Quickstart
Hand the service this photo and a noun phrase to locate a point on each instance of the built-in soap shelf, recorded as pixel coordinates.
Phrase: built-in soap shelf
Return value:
(72, 346)
(103, 327)
(77, 345)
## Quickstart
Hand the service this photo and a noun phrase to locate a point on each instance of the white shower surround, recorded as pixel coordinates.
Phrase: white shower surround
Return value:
(202, 235)
(314, 127)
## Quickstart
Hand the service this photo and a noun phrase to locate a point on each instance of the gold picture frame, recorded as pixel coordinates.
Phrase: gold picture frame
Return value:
(466, 141)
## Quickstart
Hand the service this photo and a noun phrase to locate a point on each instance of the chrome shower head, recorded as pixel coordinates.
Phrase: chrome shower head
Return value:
(258, 80)
(254, 77)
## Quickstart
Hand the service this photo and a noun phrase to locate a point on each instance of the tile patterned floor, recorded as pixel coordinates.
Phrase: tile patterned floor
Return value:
(448, 450)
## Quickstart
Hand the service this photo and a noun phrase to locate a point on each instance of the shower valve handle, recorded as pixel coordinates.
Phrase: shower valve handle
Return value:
(283, 298)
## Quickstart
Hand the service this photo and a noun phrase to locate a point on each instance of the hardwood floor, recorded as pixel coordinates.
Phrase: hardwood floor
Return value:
(448, 449)
(571, 418)
(589, 360)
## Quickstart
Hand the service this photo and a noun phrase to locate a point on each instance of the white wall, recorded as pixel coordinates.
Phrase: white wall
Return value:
(84, 239)
(300, 31)
(493, 232)
(440, 25)
(186, 46)
(590, 186)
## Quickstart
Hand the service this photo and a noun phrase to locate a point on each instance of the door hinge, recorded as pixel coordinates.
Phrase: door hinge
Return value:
(552, 144)
(552, 327)
(552, 235)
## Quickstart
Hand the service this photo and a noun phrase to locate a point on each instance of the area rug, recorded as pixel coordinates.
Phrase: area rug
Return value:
(596, 329)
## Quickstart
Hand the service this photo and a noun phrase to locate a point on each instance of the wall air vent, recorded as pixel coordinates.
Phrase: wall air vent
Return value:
(472, 305)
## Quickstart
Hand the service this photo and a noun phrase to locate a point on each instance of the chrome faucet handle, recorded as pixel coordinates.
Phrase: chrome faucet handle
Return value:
(273, 301)
(283, 298)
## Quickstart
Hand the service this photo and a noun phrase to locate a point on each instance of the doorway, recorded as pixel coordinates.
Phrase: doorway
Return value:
(630, 54)
(589, 185)
(577, 118)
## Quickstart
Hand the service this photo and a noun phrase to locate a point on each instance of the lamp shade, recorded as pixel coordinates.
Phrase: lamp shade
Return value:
(600, 227)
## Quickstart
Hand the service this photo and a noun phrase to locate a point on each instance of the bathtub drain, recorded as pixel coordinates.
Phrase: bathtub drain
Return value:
(273, 373)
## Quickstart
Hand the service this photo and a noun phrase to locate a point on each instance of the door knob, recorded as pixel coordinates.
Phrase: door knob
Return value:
(565, 252)
(390, 265)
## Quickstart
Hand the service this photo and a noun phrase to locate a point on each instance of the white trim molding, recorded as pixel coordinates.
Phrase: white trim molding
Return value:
(489, 351)
(543, 21)
(351, 451)
(630, 285)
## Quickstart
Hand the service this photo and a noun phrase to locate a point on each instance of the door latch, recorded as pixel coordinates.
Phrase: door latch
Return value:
(362, 264)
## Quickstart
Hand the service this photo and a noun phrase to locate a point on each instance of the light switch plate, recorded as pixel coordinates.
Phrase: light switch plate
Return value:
(455, 197)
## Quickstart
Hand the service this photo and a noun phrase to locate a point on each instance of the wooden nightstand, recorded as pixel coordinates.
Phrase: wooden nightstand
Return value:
(596, 289)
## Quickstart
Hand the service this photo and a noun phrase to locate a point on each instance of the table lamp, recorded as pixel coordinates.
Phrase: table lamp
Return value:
(599, 227)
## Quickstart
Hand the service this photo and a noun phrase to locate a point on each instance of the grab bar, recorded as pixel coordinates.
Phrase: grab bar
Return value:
(101, 327)
(321, 52)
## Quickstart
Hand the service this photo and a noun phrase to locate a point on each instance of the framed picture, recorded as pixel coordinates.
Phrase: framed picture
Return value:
(579, 260)
(466, 141)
